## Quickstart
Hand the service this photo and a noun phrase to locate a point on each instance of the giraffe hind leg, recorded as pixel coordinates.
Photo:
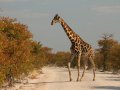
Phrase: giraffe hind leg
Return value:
(78, 67)
(84, 67)
(93, 66)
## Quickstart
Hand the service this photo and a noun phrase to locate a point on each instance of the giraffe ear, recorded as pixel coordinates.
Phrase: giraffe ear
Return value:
(57, 16)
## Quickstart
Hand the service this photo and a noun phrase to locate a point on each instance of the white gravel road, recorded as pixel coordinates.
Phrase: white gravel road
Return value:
(54, 78)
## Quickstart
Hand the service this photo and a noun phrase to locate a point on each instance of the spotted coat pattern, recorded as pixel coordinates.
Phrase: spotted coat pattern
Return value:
(78, 47)
(77, 44)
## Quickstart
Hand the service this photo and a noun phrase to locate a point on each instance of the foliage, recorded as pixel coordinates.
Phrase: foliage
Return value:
(60, 58)
(107, 56)
(115, 58)
(18, 52)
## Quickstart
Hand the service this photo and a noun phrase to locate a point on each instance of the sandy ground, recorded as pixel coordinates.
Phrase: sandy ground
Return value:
(54, 78)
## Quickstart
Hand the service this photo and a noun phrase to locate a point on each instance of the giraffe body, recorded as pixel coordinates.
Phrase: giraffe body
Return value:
(78, 48)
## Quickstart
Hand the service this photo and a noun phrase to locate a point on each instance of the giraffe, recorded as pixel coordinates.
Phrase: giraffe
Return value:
(78, 48)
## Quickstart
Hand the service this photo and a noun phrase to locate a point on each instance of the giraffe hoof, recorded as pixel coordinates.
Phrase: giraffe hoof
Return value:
(70, 80)
(93, 79)
(77, 80)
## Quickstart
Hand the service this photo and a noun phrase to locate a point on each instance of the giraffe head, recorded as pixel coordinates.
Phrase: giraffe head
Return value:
(55, 19)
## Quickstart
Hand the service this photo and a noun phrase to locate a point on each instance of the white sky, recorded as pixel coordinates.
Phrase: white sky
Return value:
(89, 18)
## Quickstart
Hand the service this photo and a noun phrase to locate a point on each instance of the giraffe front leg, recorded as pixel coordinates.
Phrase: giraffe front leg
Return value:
(78, 67)
(69, 64)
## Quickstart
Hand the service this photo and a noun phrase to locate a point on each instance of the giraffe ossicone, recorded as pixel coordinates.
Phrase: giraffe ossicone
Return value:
(78, 48)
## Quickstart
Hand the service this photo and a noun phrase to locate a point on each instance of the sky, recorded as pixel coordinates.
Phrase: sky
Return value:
(88, 18)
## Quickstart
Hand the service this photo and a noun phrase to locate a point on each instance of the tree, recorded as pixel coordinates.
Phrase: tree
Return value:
(114, 58)
(105, 45)
(60, 58)
(19, 54)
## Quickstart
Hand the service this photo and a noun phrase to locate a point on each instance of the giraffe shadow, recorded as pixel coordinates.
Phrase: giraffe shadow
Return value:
(108, 87)
(113, 78)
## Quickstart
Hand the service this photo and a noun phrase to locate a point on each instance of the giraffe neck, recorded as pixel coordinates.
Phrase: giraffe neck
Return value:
(69, 32)
(75, 39)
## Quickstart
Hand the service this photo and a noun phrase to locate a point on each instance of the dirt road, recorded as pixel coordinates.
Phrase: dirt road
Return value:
(54, 78)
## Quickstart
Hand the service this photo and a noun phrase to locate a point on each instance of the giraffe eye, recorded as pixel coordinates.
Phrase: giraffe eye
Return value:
(56, 18)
